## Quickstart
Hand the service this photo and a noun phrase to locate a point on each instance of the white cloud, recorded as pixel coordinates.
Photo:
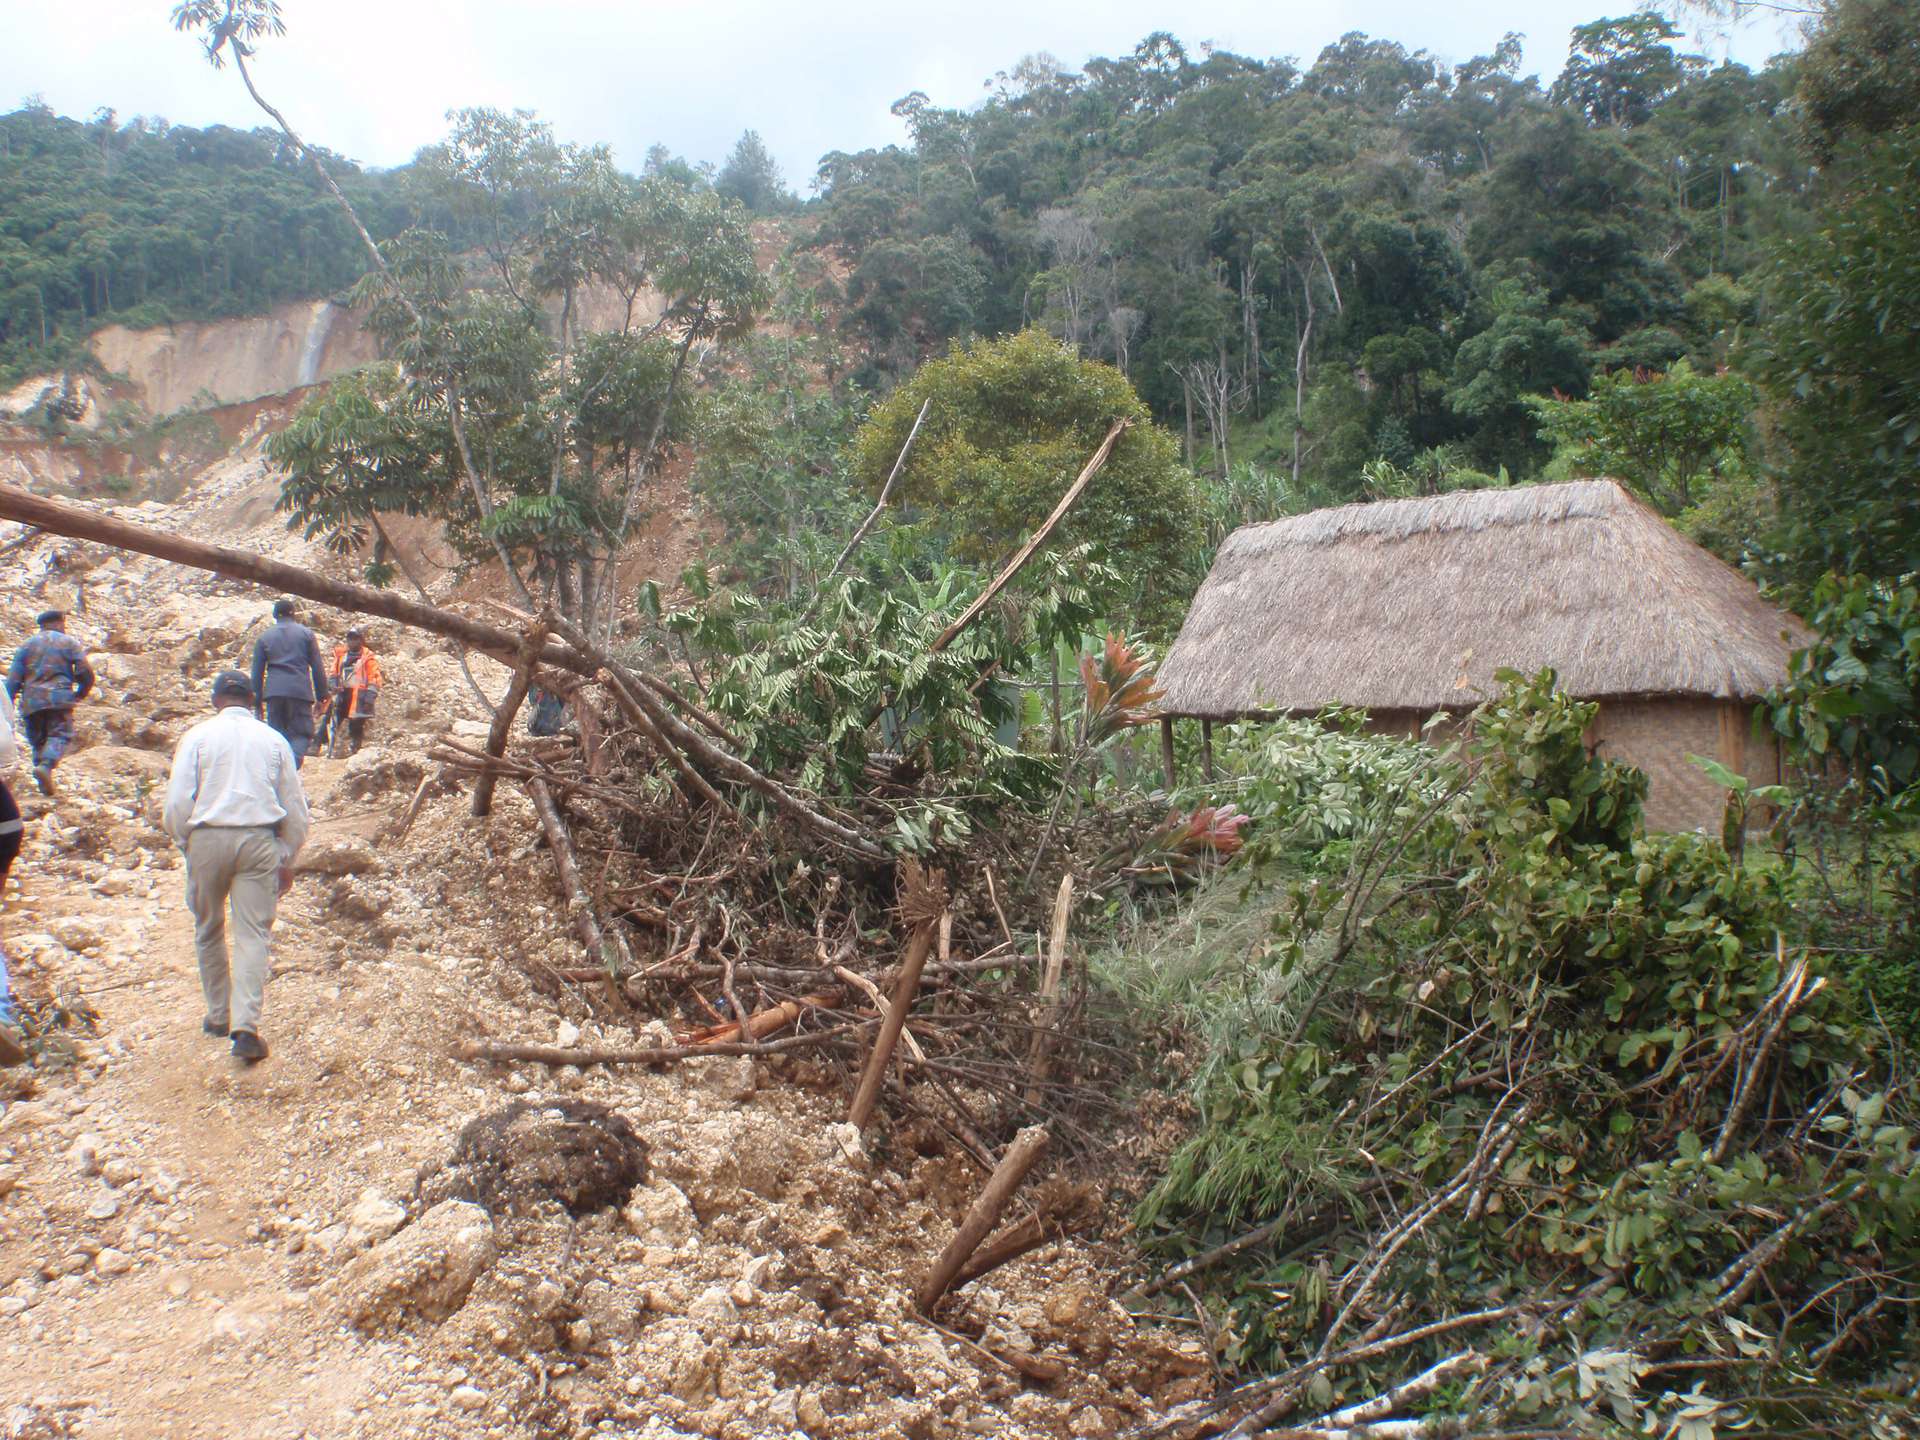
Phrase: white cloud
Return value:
(374, 78)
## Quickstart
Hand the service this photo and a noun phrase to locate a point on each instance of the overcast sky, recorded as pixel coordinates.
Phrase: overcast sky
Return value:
(374, 79)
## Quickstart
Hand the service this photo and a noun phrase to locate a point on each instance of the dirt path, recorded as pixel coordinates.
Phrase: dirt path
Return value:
(164, 1296)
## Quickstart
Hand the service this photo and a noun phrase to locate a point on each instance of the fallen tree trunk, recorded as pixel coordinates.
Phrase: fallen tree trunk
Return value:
(61, 517)
(653, 1055)
(579, 656)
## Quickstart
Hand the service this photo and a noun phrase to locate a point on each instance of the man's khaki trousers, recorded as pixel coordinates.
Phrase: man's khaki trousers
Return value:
(239, 869)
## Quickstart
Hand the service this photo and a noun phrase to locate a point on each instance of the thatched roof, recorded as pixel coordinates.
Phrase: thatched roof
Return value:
(1413, 604)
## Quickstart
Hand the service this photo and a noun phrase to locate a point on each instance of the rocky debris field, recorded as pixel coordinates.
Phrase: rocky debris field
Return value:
(363, 1236)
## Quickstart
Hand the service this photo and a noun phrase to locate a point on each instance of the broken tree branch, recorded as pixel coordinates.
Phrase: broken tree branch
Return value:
(886, 493)
(609, 946)
(1027, 1148)
(1040, 1052)
(1038, 538)
(918, 948)
(405, 823)
(650, 1055)
(504, 713)
(770, 1021)
(1050, 1222)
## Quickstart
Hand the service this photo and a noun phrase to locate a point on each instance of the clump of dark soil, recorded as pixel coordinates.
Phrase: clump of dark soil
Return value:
(526, 1158)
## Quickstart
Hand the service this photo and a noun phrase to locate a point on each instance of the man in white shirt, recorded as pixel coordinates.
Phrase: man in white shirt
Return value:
(235, 806)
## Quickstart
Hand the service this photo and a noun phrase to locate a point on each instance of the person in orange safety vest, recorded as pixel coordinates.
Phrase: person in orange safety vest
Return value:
(356, 681)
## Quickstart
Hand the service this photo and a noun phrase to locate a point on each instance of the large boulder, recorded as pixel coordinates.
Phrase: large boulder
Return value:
(425, 1271)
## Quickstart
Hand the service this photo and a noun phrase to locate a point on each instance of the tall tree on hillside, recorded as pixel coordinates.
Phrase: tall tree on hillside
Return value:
(752, 177)
(1619, 70)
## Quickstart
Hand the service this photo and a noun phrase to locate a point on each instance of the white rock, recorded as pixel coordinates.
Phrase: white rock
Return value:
(428, 1269)
(731, 1077)
(713, 1306)
(373, 1218)
(113, 1262)
(566, 1035)
(105, 1206)
(660, 1214)
(118, 1172)
(468, 1397)
(337, 858)
(844, 1143)
(77, 934)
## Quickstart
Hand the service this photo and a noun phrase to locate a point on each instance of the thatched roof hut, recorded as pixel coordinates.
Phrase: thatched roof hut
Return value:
(1413, 604)
(1406, 607)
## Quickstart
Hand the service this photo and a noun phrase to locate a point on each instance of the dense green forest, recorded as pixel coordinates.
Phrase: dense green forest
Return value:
(145, 222)
(1373, 256)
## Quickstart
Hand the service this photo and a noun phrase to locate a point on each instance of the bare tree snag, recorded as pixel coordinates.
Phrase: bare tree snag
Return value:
(1027, 1148)
(1034, 542)
(503, 716)
(608, 946)
(886, 492)
(918, 948)
(1040, 1054)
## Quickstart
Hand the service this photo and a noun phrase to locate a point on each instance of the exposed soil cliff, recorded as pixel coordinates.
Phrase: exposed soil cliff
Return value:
(199, 364)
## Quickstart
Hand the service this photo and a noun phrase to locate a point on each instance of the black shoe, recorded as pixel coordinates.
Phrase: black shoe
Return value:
(249, 1047)
(43, 777)
(215, 1027)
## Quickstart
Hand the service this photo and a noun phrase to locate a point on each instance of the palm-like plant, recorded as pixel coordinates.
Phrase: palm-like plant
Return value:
(1121, 692)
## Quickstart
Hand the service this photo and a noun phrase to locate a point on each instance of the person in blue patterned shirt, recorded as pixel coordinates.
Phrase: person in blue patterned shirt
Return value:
(49, 676)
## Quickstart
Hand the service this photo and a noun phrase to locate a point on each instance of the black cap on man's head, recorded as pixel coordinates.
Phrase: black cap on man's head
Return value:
(50, 617)
(354, 632)
(283, 608)
(232, 685)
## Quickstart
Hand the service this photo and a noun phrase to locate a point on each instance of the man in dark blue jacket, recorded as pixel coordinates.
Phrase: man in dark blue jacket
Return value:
(49, 676)
(288, 676)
